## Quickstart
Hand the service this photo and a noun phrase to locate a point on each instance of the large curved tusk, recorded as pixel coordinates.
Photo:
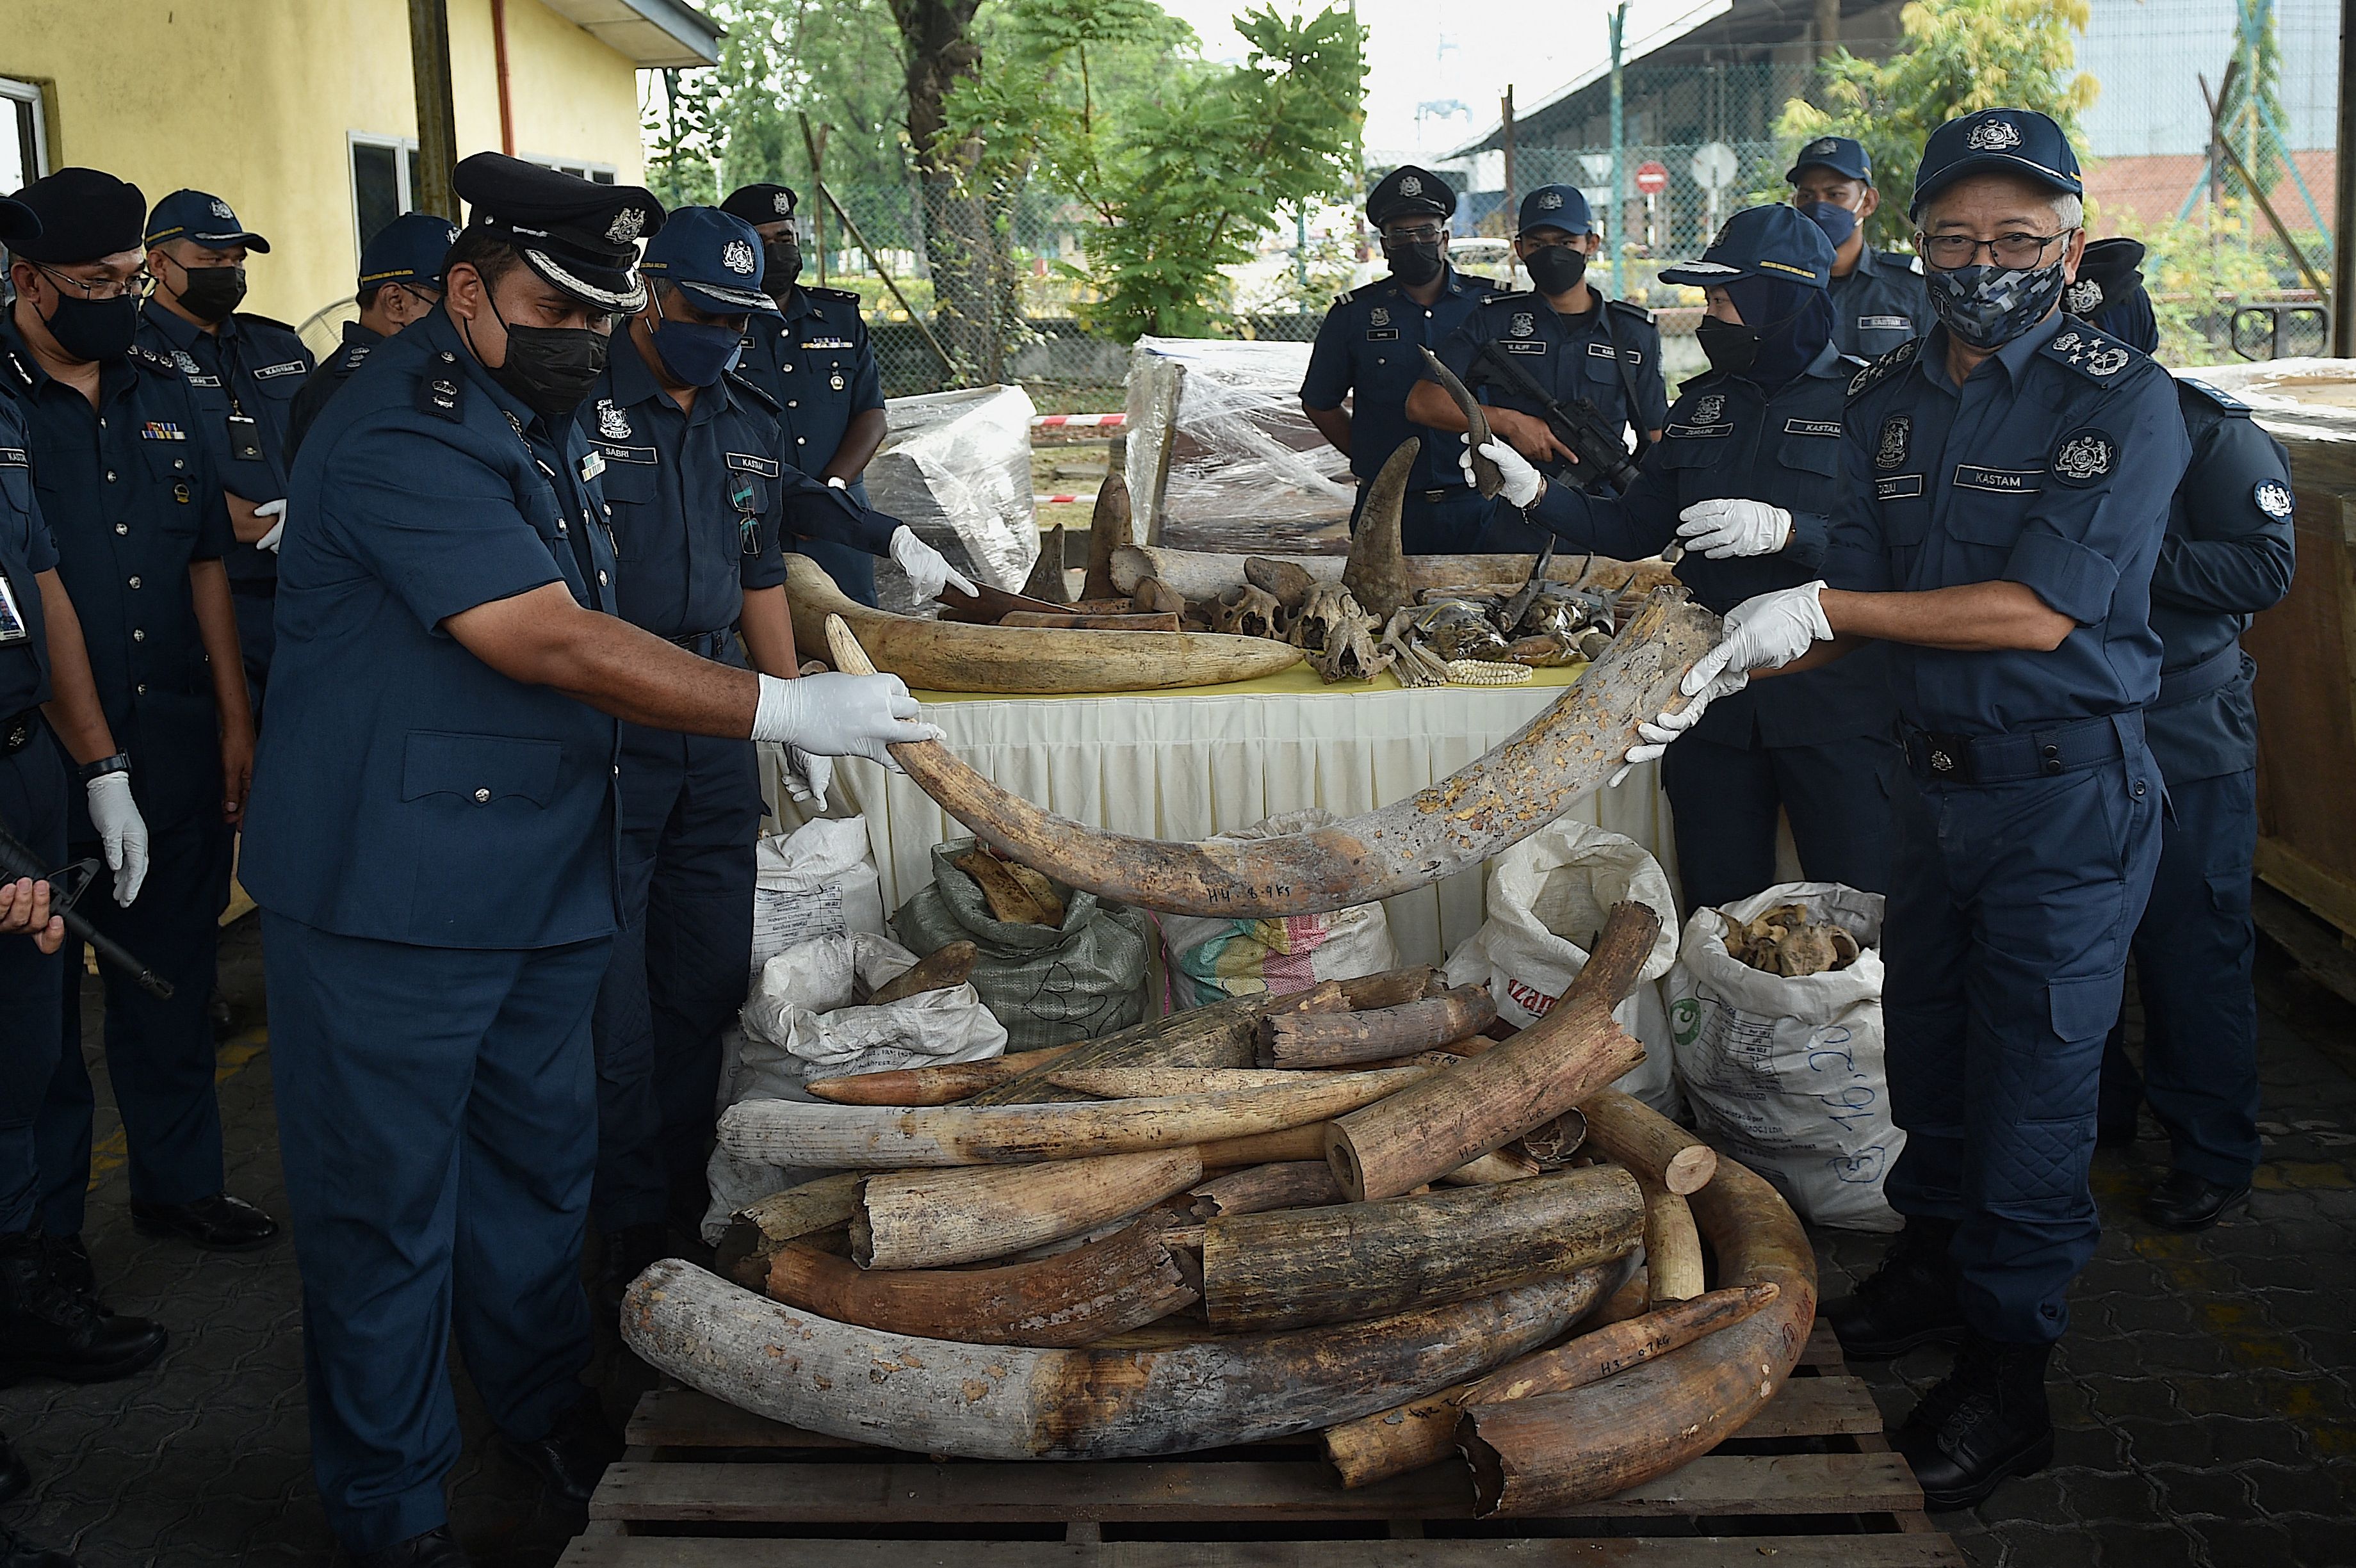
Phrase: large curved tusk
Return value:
(932, 1218)
(1001, 1402)
(954, 656)
(1524, 783)
(1376, 573)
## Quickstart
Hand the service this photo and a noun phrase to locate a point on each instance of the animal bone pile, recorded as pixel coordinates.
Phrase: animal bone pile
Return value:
(1344, 1209)
(1279, 599)
(1784, 941)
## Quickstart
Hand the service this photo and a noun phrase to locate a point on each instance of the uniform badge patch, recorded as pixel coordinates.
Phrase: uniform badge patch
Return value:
(1378, 316)
(783, 203)
(737, 257)
(2066, 342)
(187, 363)
(1550, 201)
(1820, 146)
(221, 211)
(2273, 499)
(612, 423)
(2107, 361)
(1410, 187)
(1707, 411)
(626, 225)
(162, 430)
(2084, 456)
(1889, 448)
(1525, 323)
(1993, 136)
(2082, 296)
(592, 466)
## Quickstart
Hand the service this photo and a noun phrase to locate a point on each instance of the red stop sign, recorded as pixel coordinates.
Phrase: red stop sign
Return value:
(1652, 178)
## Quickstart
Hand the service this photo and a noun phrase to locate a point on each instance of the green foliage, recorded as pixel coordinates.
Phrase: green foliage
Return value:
(1957, 56)
(2250, 107)
(2193, 270)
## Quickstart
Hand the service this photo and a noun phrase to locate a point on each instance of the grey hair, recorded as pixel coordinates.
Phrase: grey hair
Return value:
(2069, 211)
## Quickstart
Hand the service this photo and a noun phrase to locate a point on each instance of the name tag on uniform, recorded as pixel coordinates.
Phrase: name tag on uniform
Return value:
(162, 430)
(1885, 324)
(1603, 351)
(12, 619)
(1702, 431)
(613, 453)
(746, 463)
(292, 367)
(830, 343)
(14, 457)
(2006, 481)
(1897, 489)
(1812, 427)
(1518, 345)
(1382, 335)
(204, 380)
(592, 464)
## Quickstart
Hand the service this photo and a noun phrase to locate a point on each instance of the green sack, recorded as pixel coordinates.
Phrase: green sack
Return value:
(1046, 986)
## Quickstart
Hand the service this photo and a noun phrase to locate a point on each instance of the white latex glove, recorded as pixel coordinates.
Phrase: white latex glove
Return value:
(1730, 527)
(1521, 480)
(124, 832)
(1765, 631)
(268, 541)
(927, 567)
(839, 715)
(808, 777)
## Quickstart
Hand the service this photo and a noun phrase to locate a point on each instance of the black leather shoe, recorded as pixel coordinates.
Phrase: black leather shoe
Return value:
(15, 1551)
(68, 1262)
(575, 1452)
(1910, 1300)
(14, 1478)
(2188, 1202)
(1987, 1423)
(48, 1329)
(219, 1223)
(437, 1548)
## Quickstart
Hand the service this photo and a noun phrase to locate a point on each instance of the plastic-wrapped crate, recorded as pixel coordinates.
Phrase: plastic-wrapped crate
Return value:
(956, 467)
(1220, 456)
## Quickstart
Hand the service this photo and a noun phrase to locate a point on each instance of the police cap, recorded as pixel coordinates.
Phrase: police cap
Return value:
(1779, 242)
(1408, 191)
(713, 257)
(408, 250)
(1557, 206)
(579, 236)
(18, 223)
(83, 214)
(202, 217)
(2108, 274)
(1996, 141)
(759, 204)
(1843, 155)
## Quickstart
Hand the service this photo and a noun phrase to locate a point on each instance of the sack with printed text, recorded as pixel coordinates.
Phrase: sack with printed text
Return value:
(814, 882)
(1548, 897)
(1785, 1071)
(1210, 960)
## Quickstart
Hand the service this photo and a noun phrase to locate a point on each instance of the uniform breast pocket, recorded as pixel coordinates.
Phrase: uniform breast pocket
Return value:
(1810, 454)
(1694, 463)
(1602, 379)
(171, 474)
(479, 770)
(1989, 504)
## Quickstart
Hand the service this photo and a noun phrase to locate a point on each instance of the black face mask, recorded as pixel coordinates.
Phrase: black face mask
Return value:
(1416, 262)
(210, 293)
(781, 263)
(1731, 348)
(549, 368)
(93, 330)
(1556, 269)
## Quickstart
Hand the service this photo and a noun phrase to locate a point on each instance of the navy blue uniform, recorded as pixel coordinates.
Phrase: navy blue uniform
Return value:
(327, 378)
(32, 788)
(2229, 554)
(1879, 304)
(244, 374)
(2027, 846)
(1368, 350)
(698, 504)
(1818, 745)
(132, 502)
(433, 847)
(819, 366)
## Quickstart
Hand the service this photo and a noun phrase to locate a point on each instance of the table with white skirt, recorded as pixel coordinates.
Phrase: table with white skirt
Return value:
(1188, 764)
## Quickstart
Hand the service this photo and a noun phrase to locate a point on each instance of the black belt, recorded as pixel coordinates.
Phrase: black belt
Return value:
(18, 731)
(254, 588)
(1947, 758)
(2215, 671)
(707, 644)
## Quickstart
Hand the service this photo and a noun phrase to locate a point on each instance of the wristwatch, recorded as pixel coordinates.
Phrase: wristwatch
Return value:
(118, 763)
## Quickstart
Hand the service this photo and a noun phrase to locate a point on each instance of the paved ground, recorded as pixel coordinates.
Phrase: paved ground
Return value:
(2208, 1389)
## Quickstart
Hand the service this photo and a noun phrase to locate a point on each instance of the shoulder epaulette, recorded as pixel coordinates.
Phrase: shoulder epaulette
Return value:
(1363, 291)
(440, 387)
(743, 387)
(819, 294)
(19, 370)
(248, 318)
(2223, 401)
(1510, 295)
(1914, 265)
(1475, 280)
(1882, 369)
(349, 360)
(1629, 307)
(147, 359)
(2097, 355)
(1855, 361)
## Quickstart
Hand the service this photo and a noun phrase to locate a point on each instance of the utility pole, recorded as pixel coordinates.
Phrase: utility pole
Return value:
(2343, 193)
(1506, 140)
(1827, 28)
(437, 119)
(1619, 135)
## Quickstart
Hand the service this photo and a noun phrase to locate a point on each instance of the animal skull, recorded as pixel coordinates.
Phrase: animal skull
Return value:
(1248, 611)
(1337, 636)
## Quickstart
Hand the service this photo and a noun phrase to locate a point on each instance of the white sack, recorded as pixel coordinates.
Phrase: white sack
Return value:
(1209, 960)
(815, 881)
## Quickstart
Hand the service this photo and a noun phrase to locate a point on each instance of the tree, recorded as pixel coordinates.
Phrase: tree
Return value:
(2249, 106)
(1956, 56)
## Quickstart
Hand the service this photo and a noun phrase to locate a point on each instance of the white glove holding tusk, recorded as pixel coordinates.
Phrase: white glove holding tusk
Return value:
(808, 777)
(840, 715)
(1734, 527)
(1766, 632)
(1521, 480)
(268, 541)
(122, 829)
(926, 568)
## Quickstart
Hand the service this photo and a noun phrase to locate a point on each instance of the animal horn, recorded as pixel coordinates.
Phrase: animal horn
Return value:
(1376, 576)
(1526, 782)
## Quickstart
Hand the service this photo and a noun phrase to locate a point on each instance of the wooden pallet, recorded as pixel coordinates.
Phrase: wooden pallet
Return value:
(1810, 1480)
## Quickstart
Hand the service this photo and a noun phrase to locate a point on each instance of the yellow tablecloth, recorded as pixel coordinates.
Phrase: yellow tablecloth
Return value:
(1188, 764)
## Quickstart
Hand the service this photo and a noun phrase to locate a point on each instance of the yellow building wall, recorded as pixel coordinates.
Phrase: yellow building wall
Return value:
(254, 101)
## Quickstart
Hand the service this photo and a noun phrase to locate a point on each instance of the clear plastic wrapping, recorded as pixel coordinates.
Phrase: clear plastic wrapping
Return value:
(1247, 470)
(956, 467)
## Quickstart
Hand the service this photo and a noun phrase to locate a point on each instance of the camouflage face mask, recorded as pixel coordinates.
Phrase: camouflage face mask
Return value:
(1987, 306)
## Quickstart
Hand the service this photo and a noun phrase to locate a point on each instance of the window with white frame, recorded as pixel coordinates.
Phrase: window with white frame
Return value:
(24, 135)
(596, 174)
(384, 182)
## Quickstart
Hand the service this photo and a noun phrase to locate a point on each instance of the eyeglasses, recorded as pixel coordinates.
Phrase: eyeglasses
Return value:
(1949, 252)
(139, 285)
(1427, 234)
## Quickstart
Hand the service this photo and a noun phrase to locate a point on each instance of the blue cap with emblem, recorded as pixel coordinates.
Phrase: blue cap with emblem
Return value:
(1779, 242)
(1408, 191)
(762, 202)
(203, 217)
(713, 257)
(1557, 206)
(408, 250)
(1996, 141)
(577, 236)
(1845, 155)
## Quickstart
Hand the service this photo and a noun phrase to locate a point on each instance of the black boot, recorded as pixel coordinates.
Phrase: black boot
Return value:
(437, 1548)
(70, 1266)
(1910, 1300)
(2188, 1202)
(49, 1328)
(15, 1551)
(576, 1450)
(1986, 1424)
